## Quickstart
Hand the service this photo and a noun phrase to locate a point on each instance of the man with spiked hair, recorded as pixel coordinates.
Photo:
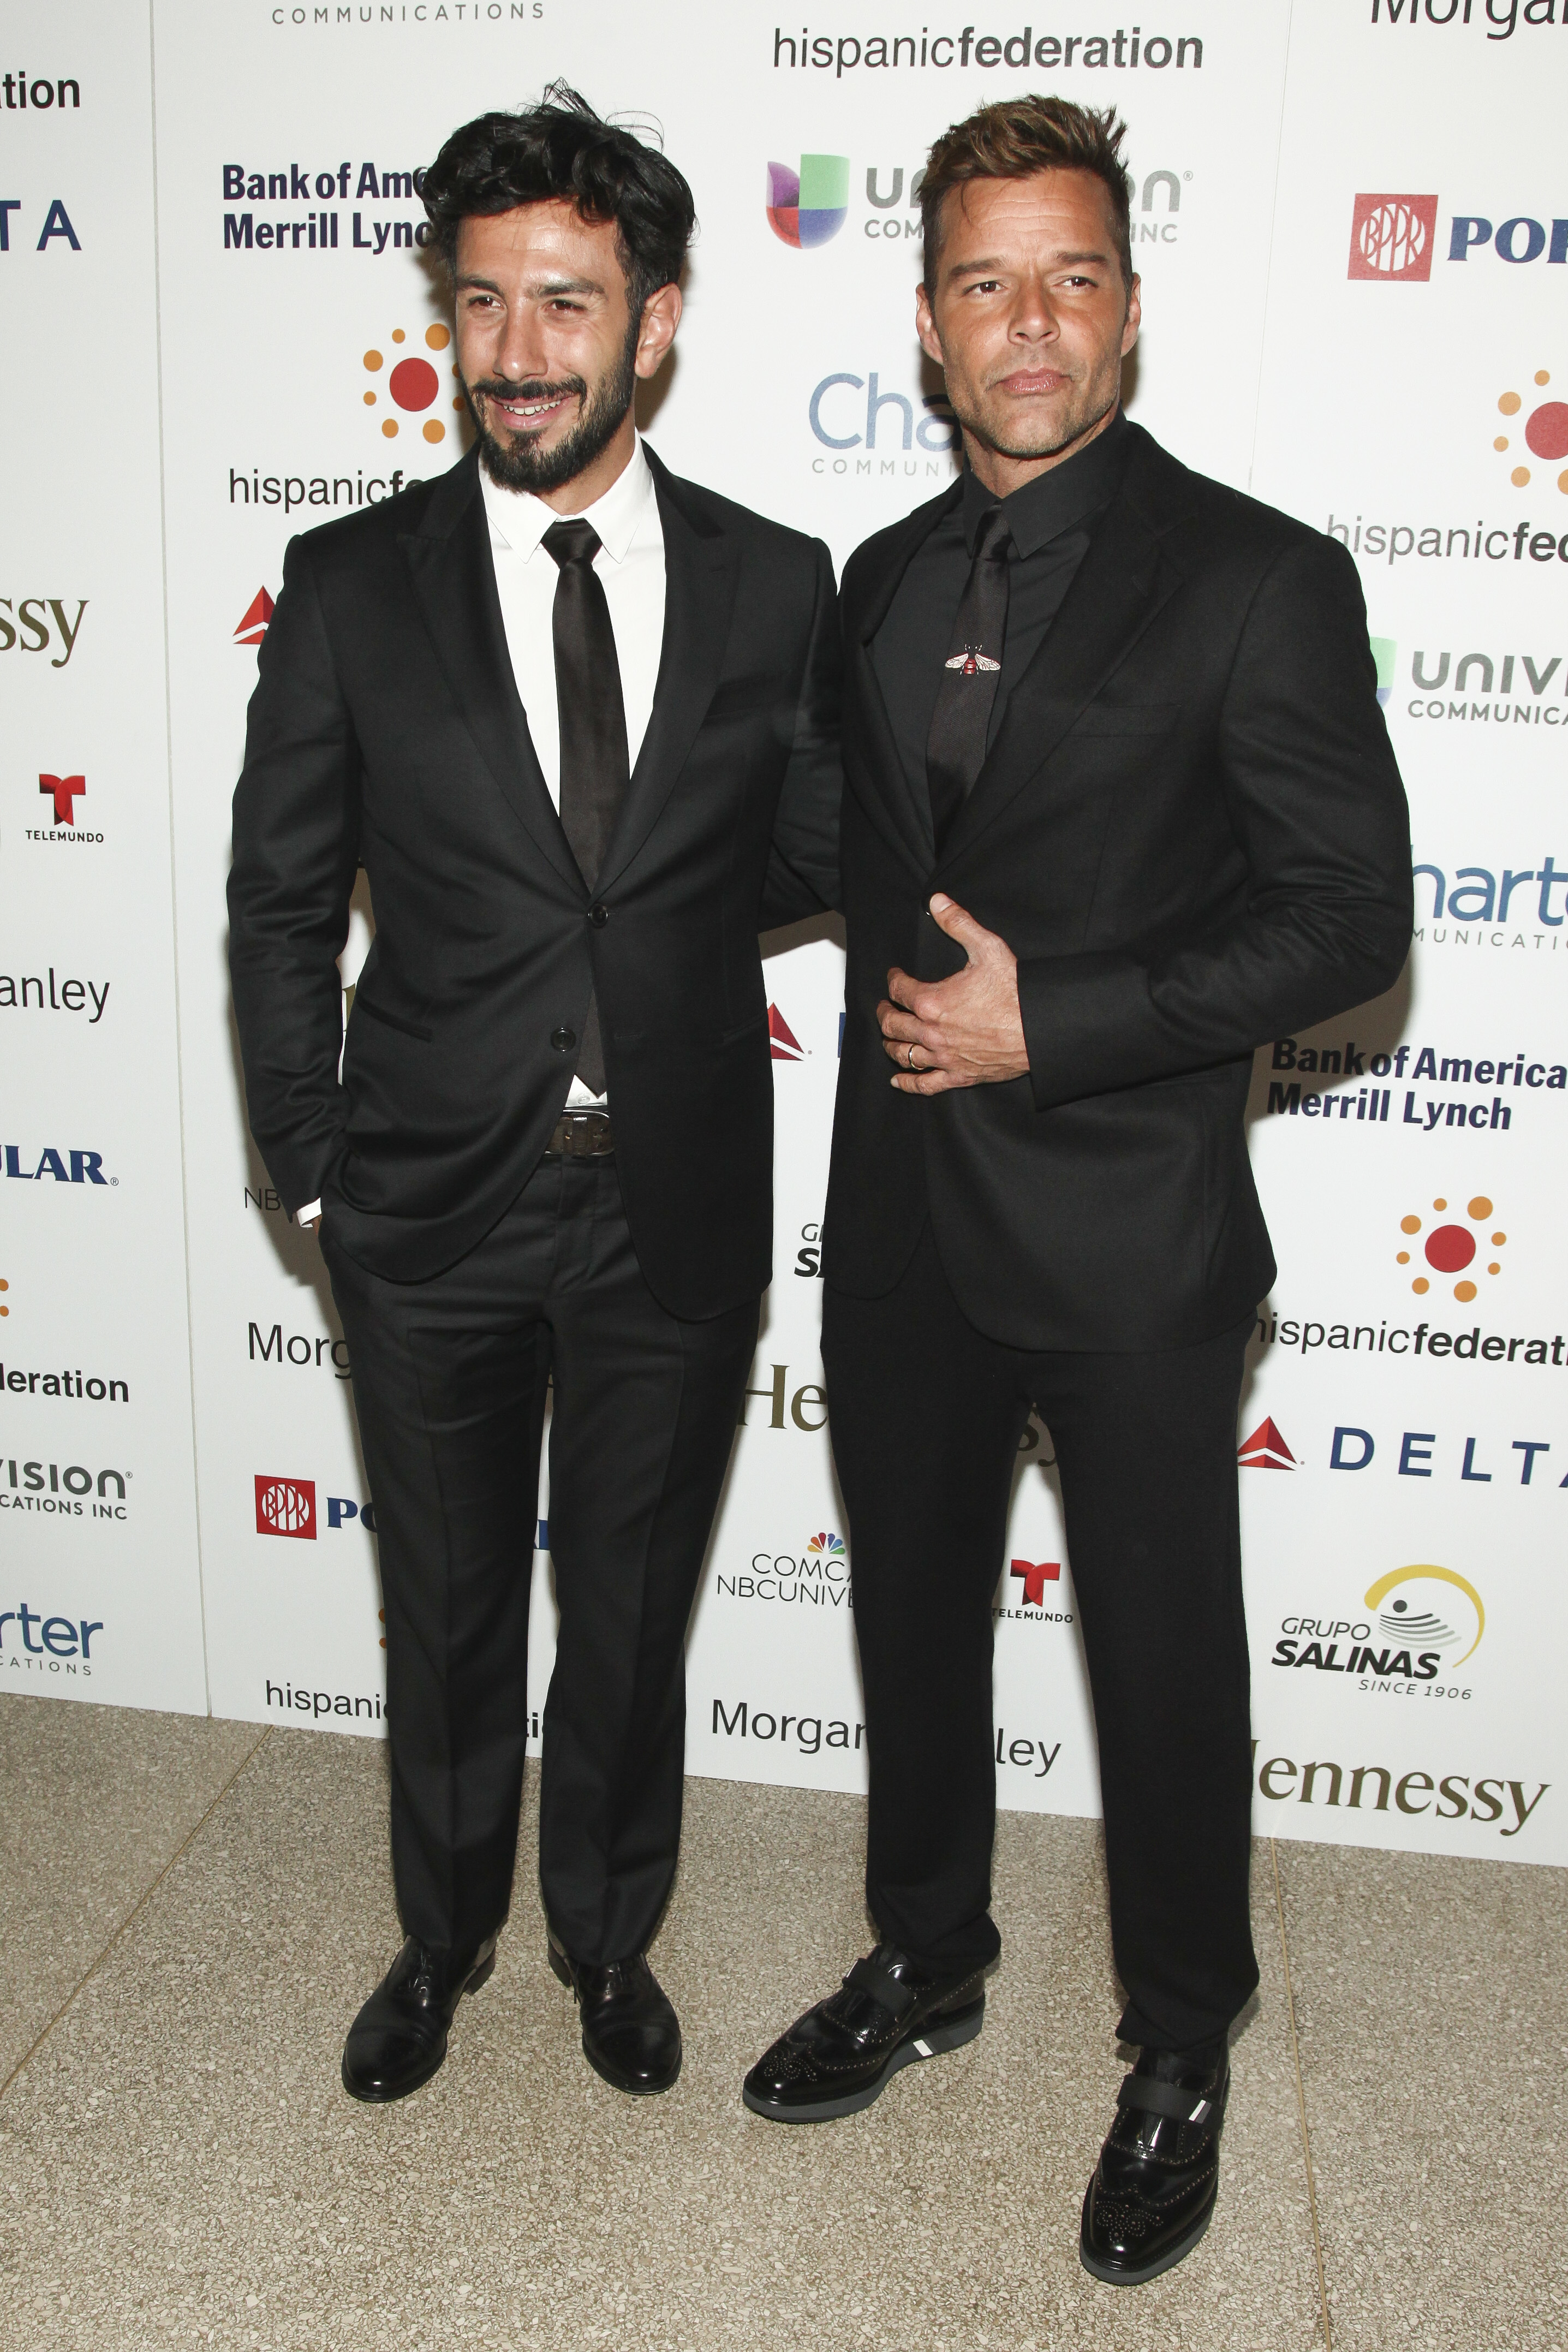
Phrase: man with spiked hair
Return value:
(1118, 807)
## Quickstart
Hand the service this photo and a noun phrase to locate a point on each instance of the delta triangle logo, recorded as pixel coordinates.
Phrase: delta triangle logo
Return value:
(783, 1044)
(1266, 1450)
(258, 613)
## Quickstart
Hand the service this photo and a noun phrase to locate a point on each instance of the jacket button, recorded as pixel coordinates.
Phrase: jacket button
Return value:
(563, 1040)
(599, 914)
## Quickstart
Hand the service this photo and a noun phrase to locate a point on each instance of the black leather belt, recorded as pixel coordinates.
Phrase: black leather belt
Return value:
(581, 1135)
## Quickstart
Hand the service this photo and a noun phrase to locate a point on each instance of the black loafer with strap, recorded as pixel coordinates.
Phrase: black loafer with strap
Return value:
(1153, 2190)
(887, 2013)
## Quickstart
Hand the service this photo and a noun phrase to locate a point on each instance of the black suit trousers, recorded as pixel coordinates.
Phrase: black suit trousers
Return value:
(1146, 1447)
(450, 1379)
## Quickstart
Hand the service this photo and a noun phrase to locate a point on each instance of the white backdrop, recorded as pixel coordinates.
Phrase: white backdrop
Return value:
(280, 355)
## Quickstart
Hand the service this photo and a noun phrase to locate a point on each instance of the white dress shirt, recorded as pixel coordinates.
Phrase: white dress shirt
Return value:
(631, 564)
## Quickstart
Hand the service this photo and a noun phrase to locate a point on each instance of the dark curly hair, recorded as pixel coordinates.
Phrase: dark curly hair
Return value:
(561, 148)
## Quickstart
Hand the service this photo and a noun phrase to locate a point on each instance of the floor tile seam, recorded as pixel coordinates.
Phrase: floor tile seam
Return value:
(1301, 2097)
(144, 1899)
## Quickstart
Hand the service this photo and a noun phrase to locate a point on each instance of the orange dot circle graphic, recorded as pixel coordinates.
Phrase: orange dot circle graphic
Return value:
(1420, 1286)
(1401, 1258)
(1498, 1240)
(1479, 1207)
(435, 430)
(373, 361)
(1465, 1291)
(1520, 476)
(1440, 1204)
(1494, 1268)
(389, 426)
(438, 338)
(398, 335)
(369, 400)
(1410, 1224)
(1501, 441)
(1510, 404)
(1542, 375)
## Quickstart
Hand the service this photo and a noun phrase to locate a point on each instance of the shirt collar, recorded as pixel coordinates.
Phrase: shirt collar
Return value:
(1058, 499)
(518, 520)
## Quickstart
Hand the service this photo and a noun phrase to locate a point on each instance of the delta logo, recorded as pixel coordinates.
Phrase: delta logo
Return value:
(783, 1046)
(809, 207)
(1451, 1247)
(411, 386)
(287, 1506)
(255, 619)
(1423, 1622)
(1545, 431)
(1265, 1449)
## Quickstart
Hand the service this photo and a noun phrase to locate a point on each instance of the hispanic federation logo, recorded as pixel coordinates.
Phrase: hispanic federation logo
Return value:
(1449, 1247)
(410, 384)
(1392, 237)
(809, 207)
(1545, 431)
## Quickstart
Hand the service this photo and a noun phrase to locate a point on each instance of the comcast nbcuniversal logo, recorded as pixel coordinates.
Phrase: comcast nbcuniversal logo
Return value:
(808, 207)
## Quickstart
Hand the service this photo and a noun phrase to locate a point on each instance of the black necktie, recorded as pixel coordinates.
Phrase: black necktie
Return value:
(955, 748)
(595, 768)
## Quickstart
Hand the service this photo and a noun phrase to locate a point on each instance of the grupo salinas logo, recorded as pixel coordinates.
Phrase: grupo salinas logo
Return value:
(1545, 431)
(808, 207)
(1425, 1622)
(287, 1506)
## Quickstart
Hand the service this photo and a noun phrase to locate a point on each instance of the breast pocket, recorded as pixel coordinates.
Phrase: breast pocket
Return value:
(1126, 719)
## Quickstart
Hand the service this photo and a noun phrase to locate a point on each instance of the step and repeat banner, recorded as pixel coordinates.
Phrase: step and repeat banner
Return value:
(225, 328)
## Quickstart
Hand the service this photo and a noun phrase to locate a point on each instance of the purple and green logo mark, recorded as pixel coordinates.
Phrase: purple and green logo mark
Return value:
(1384, 653)
(809, 207)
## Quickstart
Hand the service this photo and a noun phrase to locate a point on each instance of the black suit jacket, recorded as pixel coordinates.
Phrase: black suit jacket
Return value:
(1191, 831)
(386, 731)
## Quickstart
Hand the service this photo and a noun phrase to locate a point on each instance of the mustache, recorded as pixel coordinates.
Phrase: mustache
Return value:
(501, 387)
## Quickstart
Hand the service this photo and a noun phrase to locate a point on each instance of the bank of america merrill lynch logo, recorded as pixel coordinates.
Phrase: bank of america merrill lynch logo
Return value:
(809, 207)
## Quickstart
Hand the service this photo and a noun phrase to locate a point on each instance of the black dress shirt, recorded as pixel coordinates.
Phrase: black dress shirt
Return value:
(1053, 520)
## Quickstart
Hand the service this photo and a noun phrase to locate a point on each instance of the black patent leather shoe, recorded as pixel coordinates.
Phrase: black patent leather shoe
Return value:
(399, 2038)
(631, 2034)
(886, 2014)
(1153, 2190)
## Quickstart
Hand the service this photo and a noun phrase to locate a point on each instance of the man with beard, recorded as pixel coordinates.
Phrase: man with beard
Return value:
(576, 720)
(1119, 806)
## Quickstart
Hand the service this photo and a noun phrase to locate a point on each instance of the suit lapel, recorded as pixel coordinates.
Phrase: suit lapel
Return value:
(700, 565)
(453, 575)
(1125, 577)
(900, 804)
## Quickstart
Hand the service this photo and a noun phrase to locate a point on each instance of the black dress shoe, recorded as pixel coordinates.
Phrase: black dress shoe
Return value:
(1154, 2189)
(399, 2038)
(886, 2014)
(631, 2034)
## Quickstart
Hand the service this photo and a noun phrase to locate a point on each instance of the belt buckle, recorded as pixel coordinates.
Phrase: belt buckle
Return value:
(587, 1134)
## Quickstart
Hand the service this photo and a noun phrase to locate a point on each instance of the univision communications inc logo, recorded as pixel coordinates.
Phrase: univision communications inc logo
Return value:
(809, 207)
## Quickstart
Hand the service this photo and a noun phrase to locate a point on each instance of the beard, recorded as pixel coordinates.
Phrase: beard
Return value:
(1015, 438)
(519, 463)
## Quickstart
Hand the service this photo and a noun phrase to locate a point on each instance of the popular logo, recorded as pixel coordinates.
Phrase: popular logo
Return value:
(783, 1046)
(412, 385)
(809, 207)
(1265, 1450)
(65, 791)
(285, 1507)
(255, 619)
(1450, 1248)
(1391, 238)
(1036, 1574)
(1418, 1619)
(1545, 431)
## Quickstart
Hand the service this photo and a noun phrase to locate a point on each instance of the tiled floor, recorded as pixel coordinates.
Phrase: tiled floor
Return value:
(193, 1911)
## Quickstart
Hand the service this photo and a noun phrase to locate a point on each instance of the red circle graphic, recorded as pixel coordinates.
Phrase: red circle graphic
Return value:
(413, 383)
(1450, 1248)
(1546, 429)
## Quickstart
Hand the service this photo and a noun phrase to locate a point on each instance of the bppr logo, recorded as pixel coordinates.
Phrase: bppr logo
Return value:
(285, 1507)
(1392, 237)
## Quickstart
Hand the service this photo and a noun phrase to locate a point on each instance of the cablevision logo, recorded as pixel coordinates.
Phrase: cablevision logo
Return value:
(1423, 1624)
(808, 207)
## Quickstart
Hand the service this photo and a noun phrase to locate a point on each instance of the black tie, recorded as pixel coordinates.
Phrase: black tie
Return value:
(955, 748)
(595, 768)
